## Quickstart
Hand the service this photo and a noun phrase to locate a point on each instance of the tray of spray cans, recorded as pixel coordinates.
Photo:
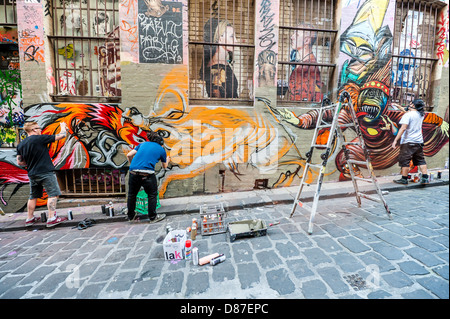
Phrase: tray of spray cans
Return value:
(212, 219)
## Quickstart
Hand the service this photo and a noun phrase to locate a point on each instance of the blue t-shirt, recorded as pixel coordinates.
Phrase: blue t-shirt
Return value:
(148, 154)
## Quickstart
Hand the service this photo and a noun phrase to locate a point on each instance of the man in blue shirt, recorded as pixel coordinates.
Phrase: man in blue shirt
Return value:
(142, 174)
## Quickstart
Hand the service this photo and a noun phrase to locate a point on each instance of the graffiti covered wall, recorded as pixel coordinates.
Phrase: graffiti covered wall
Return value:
(222, 148)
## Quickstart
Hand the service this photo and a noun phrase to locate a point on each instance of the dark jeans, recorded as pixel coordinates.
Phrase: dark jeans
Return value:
(135, 182)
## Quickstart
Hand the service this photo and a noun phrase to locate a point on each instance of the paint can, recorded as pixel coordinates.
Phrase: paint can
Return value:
(217, 260)
(195, 256)
(188, 249)
(43, 217)
(69, 215)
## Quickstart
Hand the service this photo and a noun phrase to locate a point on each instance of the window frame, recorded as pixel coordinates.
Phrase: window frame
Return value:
(399, 93)
(196, 45)
(326, 34)
(96, 45)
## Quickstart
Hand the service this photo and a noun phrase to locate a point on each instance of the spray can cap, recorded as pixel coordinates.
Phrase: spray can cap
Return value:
(188, 243)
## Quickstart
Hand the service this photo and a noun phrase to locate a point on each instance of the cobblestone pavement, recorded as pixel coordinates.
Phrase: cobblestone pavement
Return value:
(352, 253)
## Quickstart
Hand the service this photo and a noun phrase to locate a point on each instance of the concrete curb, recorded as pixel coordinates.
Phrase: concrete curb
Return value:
(232, 201)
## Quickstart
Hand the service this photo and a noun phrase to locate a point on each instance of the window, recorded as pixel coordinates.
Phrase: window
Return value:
(8, 13)
(305, 53)
(221, 52)
(86, 50)
(414, 54)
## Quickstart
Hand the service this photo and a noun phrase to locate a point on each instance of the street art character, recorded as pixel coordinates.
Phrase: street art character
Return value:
(155, 8)
(367, 78)
(216, 69)
(304, 82)
(97, 134)
(367, 42)
(201, 138)
(405, 72)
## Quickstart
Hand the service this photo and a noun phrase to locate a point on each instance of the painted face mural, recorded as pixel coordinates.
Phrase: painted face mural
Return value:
(196, 139)
(366, 76)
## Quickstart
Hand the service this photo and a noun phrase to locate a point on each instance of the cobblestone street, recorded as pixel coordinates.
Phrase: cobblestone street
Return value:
(352, 253)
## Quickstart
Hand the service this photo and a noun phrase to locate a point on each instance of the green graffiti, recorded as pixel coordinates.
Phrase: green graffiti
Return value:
(7, 135)
(10, 88)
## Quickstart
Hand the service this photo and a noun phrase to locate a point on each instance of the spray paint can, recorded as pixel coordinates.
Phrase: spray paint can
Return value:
(103, 209)
(69, 215)
(439, 175)
(193, 231)
(195, 256)
(188, 249)
(217, 260)
(111, 211)
(43, 217)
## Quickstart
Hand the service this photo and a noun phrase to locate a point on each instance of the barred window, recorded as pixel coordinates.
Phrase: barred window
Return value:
(221, 52)
(305, 53)
(8, 13)
(86, 50)
(416, 41)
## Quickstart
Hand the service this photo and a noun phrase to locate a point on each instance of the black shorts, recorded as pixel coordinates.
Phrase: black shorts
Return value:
(411, 151)
(47, 181)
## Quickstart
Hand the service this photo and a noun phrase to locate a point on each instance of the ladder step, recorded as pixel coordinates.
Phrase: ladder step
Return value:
(357, 162)
(351, 143)
(319, 145)
(375, 199)
(369, 180)
(323, 126)
(347, 125)
(326, 107)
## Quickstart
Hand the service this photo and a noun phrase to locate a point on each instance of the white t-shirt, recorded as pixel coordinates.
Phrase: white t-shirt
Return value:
(413, 133)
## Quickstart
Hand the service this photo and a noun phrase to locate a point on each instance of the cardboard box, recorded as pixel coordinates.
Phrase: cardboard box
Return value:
(175, 245)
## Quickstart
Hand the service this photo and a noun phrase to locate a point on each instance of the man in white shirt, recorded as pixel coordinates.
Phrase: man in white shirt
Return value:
(411, 142)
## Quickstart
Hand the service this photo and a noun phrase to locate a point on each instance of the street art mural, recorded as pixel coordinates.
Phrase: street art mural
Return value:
(197, 139)
(366, 75)
(264, 140)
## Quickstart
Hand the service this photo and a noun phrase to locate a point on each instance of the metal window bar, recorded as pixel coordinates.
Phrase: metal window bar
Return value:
(86, 48)
(8, 13)
(414, 53)
(221, 70)
(304, 73)
(92, 182)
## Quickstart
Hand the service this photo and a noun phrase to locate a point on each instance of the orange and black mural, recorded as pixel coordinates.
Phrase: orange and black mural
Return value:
(249, 142)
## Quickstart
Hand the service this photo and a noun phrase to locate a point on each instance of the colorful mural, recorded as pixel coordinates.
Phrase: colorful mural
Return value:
(263, 141)
(197, 139)
(366, 74)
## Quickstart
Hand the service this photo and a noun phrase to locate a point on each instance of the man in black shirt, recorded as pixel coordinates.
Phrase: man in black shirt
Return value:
(32, 152)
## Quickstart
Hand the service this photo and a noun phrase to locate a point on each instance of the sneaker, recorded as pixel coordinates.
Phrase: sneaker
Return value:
(401, 181)
(32, 221)
(159, 217)
(56, 221)
(424, 181)
(138, 217)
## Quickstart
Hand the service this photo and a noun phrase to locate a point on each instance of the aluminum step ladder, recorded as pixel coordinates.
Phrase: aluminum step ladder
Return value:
(335, 134)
